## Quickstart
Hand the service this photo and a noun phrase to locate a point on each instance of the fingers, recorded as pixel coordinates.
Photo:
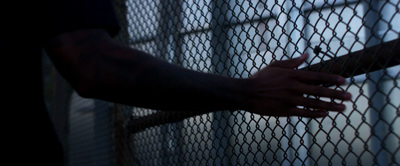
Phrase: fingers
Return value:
(317, 104)
(323, 92)
(318, 78)
(316, 108)
(290, 63)
(294, 84)
(314, 77)
(320, 106)
(307, 76)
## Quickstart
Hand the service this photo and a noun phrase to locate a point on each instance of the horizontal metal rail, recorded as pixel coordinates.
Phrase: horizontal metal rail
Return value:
(371, 59)
(205, 29)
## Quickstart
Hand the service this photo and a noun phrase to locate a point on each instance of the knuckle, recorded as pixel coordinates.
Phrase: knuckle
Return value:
(331, 93)
(317, 90)
(326, 92)
(317, 103)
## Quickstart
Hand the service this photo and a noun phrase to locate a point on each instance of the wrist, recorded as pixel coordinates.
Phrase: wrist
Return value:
(240, 95)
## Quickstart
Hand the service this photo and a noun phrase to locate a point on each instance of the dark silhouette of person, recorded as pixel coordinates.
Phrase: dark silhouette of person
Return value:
(77, 36)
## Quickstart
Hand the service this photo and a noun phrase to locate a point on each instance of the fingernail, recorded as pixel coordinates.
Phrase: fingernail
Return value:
(305, 55)
(341, 80)
(347, 96)
(340, 107)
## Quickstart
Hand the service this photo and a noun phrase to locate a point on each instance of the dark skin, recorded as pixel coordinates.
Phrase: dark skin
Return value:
(98, 67)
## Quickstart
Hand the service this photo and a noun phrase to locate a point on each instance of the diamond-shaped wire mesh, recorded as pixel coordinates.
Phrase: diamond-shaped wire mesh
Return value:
(235, 38)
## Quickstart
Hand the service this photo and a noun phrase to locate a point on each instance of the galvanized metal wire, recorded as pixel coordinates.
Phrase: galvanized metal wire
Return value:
(235, 38)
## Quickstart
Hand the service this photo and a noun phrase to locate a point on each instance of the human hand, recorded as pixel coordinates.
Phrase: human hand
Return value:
(279, 90)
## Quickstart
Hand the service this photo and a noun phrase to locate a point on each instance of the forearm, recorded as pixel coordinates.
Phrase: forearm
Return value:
(142, 80)
(108, 71)
(99, 68)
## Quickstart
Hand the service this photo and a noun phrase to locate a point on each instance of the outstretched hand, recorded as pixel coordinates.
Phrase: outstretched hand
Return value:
(280, 90)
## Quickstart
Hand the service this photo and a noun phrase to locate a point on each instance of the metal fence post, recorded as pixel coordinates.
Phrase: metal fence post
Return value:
(220, 60)
(375, 80)
(170, 48)
(102, 133)
(298, 137)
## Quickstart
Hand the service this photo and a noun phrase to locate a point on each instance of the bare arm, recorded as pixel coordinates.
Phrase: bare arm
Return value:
(97, 67)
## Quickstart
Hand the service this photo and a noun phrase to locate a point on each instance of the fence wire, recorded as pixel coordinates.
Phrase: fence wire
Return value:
(235, 38)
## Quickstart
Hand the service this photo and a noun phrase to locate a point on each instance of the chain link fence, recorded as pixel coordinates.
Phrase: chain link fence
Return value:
(235, 38)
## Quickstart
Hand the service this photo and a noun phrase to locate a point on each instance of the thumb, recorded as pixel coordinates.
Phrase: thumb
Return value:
(290, 63)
